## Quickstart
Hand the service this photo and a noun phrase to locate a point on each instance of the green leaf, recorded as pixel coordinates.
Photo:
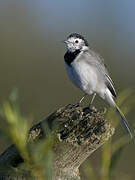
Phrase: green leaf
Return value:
(117, 149)
(114, 160)
(105, 160)
(89, 171)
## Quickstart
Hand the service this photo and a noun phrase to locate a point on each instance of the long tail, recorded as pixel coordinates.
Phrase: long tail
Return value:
(110, 100)
(123, 121)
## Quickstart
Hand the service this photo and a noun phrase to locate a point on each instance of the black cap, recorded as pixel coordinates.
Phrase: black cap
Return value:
(76, 35)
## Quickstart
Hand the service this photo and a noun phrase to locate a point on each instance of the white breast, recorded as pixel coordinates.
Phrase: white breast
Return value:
(83, 76)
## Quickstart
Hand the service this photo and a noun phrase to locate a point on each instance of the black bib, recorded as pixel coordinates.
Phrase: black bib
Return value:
(70, 56)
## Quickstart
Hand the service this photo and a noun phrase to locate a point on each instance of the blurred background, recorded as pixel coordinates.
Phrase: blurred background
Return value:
(31, 55)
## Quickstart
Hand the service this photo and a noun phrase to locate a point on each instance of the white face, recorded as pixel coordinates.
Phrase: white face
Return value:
(74, 43)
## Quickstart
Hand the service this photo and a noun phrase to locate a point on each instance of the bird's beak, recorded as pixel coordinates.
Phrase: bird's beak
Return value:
(65, 41)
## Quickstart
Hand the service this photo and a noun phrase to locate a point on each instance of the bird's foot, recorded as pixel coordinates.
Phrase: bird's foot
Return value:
(77, 104)
(80, 102)
(88, 108)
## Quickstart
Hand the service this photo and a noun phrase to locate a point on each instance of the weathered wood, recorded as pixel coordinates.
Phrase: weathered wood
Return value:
(78, 132)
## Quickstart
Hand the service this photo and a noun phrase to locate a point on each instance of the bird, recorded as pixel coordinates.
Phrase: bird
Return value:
(87, 71)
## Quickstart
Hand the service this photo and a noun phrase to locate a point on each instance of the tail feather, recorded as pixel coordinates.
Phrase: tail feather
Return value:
(110, 100)
(124, 121)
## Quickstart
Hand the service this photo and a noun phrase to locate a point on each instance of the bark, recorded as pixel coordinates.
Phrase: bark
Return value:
(78, 132)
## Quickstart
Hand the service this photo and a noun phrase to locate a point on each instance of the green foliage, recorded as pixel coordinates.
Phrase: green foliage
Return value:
(111, 151)
(38, 156)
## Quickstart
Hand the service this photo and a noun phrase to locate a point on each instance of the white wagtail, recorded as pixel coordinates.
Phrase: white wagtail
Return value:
(87, 71)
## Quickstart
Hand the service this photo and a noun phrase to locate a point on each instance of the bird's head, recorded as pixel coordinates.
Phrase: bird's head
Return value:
(76, 42)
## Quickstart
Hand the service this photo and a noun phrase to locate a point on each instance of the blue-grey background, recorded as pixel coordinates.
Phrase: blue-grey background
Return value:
(31, 53)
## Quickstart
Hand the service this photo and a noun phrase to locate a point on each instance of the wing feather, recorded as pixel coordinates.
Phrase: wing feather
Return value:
(96, 60)
(109, 84)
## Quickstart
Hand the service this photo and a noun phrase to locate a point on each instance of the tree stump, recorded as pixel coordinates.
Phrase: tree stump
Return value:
(78, 132)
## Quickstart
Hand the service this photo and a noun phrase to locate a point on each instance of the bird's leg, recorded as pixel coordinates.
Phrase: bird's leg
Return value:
(93, 97)
(79, 103)
(82, 98)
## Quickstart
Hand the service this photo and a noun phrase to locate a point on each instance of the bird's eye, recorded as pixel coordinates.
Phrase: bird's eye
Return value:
(76, 41)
